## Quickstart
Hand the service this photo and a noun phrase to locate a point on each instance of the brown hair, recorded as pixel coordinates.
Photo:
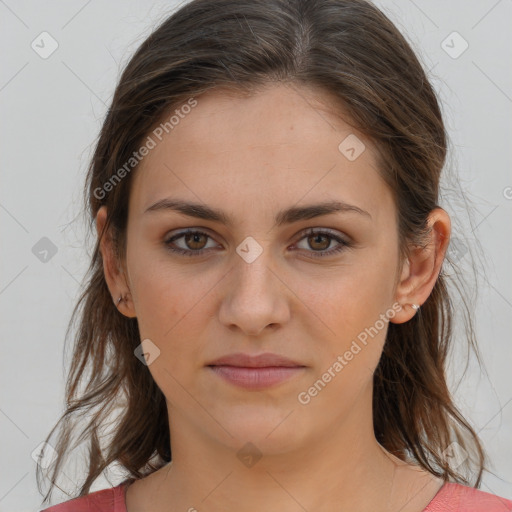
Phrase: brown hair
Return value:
(351, 51)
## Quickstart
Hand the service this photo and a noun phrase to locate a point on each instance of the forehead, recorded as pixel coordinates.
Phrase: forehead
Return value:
(274, 146)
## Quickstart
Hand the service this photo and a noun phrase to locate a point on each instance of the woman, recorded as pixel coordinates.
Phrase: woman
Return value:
(267, 301)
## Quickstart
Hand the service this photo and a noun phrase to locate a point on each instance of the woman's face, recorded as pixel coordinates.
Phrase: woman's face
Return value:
(259, 282)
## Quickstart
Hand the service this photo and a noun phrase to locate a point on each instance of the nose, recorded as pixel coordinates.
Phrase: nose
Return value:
(256, 297)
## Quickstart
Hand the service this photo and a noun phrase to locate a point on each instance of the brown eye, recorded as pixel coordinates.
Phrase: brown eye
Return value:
(318, 241)
(196, 240)
(193, 243)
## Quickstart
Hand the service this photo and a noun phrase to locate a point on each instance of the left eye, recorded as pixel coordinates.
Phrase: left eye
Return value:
(196, 243)
(320, 241)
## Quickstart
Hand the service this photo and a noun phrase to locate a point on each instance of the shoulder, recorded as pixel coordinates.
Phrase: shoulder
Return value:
(454, 497)
(105, 500)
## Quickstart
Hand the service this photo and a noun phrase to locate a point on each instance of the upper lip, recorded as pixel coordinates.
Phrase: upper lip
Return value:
(258, 361)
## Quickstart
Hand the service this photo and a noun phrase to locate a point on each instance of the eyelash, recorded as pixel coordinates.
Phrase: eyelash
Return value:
(343, 244)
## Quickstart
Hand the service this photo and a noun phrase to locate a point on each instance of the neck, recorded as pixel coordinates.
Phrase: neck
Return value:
(344, 468)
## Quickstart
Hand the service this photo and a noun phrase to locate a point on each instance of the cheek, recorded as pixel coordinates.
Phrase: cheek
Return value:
(345, 311)
(171, 306)
(166, 305)
(171, 314)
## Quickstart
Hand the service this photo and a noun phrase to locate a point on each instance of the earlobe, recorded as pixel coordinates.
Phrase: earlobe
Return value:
(421, 270)
(114, 275)
(124, 304)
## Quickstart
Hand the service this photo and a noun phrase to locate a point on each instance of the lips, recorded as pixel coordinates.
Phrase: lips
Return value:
(255, 372)
(258, 361)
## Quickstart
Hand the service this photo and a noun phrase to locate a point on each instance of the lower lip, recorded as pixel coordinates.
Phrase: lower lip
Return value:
(256, 378)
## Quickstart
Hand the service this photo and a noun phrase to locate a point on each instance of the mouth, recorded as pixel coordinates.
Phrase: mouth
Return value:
(256, 378)
(255, 372)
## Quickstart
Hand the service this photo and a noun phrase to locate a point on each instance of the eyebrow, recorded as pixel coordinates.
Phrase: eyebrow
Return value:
(287, 216)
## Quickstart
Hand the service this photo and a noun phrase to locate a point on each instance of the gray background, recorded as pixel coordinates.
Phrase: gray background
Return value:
(51, 113)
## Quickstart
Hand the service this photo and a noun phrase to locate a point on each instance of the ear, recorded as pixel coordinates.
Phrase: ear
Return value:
(420, 271)
(114, 274)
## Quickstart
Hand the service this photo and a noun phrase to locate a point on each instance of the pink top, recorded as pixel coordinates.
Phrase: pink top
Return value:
(451, 497)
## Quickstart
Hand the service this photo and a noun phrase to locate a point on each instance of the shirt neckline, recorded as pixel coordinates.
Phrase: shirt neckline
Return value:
(126, 483)
(437, 496)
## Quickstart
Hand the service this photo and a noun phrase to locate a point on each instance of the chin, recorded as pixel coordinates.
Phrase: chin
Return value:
(272, 433)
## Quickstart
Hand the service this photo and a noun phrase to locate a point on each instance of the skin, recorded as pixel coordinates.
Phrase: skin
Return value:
(251, 157)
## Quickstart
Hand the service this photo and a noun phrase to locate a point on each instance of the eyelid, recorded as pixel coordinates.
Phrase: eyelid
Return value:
(306, 231)
(172, 236)
(341, 239)
(323, 231)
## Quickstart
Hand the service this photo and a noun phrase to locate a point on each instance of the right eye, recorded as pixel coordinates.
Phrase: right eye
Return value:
(194, 242)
